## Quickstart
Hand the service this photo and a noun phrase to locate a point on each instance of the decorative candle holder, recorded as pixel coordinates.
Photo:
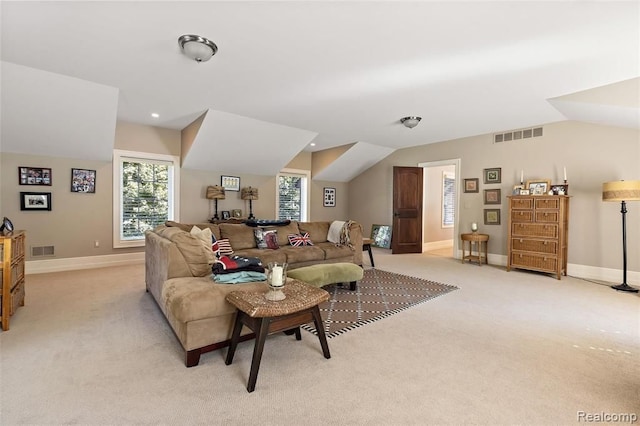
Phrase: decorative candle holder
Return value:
(474, 227)
(276, 279)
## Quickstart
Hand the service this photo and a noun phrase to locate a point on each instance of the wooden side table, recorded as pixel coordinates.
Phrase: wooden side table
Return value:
(265, 317)
(366, 245)
(480, 240)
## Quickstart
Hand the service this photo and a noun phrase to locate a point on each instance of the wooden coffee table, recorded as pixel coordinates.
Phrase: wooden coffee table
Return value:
(265, 317)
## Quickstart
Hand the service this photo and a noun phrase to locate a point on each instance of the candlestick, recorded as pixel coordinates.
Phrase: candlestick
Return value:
(565, 173)
(521, 176)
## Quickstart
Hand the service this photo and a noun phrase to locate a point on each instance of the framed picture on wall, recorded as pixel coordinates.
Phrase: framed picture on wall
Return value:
(492, 196)
(83, 180)
(329, 197)
(471, 185)
(492, 216)
(230, 183)
(493, 175)
(35, 201)
(34, 176)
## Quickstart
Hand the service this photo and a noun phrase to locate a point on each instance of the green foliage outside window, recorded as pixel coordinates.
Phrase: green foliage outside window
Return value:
(290, 197)
(145, 197)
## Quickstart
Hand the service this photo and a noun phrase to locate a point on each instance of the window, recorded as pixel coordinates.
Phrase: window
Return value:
(292, 195)
(448, 199)
(145, 194)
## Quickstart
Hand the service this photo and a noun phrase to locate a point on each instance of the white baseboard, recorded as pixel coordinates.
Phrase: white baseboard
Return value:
(436, 245)
(87, 262)
(579, 271)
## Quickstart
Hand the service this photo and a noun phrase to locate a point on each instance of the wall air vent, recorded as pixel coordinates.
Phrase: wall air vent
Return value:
(42, 251)
(516, 135)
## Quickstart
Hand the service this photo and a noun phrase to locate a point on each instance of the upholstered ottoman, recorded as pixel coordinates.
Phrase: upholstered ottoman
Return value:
(330, 273)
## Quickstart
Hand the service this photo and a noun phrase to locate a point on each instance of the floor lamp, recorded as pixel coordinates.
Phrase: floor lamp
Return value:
(215, 192)
(622, 191)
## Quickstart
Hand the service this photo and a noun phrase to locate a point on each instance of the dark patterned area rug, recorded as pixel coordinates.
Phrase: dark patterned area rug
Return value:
(380, 294)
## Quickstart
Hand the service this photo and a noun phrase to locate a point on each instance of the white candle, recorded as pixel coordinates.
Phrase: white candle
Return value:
(565, 173)
(276, 276)
(521, 175)
(474, 227)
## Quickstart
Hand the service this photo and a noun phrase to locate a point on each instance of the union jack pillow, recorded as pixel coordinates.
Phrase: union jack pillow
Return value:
(299, 240)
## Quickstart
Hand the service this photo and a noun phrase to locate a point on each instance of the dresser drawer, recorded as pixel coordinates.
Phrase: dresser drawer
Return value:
(521, 215)
(522, 203)
(547, 216)
(547, 203)
(532, 261)
(534, 230)
(537, 246)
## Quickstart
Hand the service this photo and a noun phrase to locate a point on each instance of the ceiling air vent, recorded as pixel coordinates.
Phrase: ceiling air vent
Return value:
(516, 135)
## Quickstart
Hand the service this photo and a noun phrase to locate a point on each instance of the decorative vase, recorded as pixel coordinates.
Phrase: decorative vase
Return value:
(276, 279)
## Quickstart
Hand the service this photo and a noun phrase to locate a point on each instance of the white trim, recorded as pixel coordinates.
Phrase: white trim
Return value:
(306, 206)
(452, 162)
(585, 272)
(87, 262)
(174, 191)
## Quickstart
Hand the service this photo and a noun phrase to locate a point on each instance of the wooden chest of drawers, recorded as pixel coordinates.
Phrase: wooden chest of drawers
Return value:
(12, 255)
(538, 233)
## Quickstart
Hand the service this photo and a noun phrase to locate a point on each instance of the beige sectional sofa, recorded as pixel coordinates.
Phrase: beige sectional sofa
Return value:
(178, 274)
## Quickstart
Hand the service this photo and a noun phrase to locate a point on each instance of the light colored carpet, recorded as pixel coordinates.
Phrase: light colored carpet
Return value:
(91, 347)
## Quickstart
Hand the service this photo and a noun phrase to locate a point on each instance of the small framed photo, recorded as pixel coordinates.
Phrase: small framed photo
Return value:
(236, 213)
(34, 176)
(472, 185)
(492, 216)
(560, 189)
(493, 175)
(517, 189)
(525, 192)
(35, 201)
(83, 180)
(329, 197)
(492, 196)
(538, 186)
(226, 214)
(230, 183)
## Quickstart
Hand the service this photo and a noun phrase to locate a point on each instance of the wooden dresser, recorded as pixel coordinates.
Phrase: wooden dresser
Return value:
(12, 270)
(538, 233)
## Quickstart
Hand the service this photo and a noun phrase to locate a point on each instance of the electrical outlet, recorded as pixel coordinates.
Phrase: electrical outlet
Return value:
(96, 244)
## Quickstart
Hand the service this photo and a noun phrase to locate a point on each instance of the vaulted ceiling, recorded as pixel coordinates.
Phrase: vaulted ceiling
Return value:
(291, 73)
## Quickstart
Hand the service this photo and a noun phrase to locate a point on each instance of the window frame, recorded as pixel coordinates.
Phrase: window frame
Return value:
(119, 156)
(450, 176)
(305, 192)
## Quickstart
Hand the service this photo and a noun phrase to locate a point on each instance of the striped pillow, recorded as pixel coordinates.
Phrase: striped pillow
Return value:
(225, 247)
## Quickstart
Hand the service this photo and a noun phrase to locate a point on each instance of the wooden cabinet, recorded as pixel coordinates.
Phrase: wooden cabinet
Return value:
(538, 233)
(12, 268)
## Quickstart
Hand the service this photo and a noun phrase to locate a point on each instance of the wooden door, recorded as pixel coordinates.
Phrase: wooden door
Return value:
(407, 210)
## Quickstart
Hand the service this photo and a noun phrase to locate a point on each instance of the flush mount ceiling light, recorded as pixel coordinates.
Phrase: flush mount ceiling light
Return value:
(198, 48)
(411, 121)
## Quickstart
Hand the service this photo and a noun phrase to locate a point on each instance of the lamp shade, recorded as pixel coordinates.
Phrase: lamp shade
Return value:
(249, 193)
(621, 190)
(215, 192)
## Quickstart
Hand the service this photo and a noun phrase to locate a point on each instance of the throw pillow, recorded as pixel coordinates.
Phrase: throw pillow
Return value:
(266, 239)
(299, 240)
(204, 236)
(334, 231)
(224, 247)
